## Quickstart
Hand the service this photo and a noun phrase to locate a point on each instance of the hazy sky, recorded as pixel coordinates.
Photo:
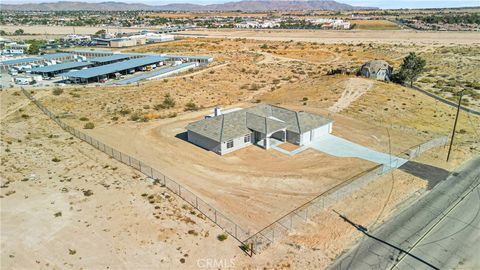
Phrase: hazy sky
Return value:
(372, 3)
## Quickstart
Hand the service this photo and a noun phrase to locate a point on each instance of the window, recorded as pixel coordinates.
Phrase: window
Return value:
(230, 144)
(247, 138)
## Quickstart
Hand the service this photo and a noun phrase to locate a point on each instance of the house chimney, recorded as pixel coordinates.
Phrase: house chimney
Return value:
(217, 111)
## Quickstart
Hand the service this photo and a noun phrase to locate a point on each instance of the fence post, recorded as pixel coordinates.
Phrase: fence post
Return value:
(215, 212)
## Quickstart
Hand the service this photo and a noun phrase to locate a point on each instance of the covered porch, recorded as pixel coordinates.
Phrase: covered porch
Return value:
(270, 139)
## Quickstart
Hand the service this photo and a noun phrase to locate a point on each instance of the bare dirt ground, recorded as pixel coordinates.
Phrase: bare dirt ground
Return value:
(359, 36)
(130, 228)
(354, 89)
(85, 210)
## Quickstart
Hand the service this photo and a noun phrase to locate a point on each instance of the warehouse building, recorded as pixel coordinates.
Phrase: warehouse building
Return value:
(52, 70)
(190, 58)
(110, 59)
(100, 73)
(5, 65)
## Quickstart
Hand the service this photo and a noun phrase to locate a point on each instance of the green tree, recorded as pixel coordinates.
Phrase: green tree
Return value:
(100, 32)
(411, 68)
(18, 32)
(35, 45)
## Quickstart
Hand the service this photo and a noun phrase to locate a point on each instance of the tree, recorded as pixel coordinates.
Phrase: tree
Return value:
(18, 32)
(100, 32)
(35, 45)
(411, 68)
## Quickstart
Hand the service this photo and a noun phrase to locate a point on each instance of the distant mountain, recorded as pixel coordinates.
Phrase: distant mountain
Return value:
(246, 5)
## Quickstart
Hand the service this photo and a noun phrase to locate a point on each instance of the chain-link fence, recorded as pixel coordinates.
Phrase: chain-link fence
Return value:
(300, 215)
(417, 150)
(273, 232)
(203, 207)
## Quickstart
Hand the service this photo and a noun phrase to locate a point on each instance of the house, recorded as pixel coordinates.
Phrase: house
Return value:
(263, 125)
(377, 69)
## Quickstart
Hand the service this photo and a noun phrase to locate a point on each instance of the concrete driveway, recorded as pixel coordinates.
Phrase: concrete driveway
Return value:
(340, 147)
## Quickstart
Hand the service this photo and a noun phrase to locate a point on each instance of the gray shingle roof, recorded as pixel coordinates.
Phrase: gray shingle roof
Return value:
(376, 65)
(263, 118)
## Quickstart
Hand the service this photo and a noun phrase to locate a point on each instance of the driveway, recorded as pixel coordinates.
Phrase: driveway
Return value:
(340, 147)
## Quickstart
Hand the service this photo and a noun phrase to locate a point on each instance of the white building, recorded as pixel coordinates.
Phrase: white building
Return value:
(77, 38)
(263, 125)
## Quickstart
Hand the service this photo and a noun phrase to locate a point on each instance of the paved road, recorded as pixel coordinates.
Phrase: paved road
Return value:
(441, 230)
(446, 101)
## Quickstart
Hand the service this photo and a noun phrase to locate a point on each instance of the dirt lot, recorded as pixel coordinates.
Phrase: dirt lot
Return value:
(133, 230)
(381, 36)
(375, 25)
(276, 183)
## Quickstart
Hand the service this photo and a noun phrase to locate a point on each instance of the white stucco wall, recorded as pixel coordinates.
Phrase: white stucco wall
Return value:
(315, 134)
(238, 143)
(203, 142)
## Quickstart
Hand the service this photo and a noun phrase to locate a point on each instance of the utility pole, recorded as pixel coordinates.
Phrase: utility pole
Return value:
(455, 124)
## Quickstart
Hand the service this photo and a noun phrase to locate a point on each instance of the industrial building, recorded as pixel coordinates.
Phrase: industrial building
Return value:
(99, 73)
(52, 70)
(5, 65)
(189, 58)
(110, 59)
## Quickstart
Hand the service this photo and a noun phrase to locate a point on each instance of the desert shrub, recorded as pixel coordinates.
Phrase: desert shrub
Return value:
(168, 102)
(83, 118)
(58, 214)
(222, 237)
(135, 117)
(89, 125)
(57, 91)
(305, 99)
(115, 118)
(55, 159)
(25, 116)
(124, 111)
(87, 193)
(191, 106)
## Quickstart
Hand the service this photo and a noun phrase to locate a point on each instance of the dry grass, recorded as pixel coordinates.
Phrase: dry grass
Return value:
(375, 25)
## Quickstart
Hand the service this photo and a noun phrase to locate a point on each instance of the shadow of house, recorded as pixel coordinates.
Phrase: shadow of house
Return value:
(432, 174)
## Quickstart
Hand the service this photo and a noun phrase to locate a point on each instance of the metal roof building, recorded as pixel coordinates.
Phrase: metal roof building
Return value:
(52, 70)
(19, 61)
(57, 56)
(92, 53)
(110, 58)
(163, 72)
(190, 58)
(30, 60)
(95, 73)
